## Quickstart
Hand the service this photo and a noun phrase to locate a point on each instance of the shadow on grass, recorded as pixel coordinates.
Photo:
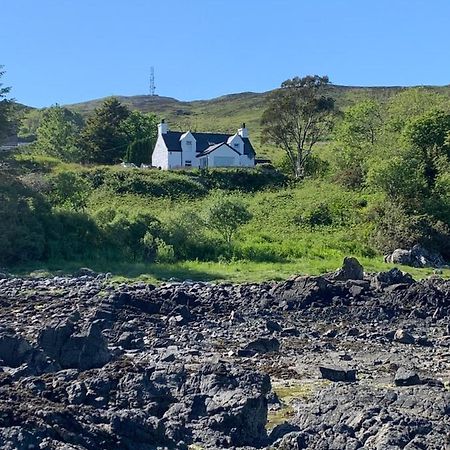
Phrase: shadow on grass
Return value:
(148, 272)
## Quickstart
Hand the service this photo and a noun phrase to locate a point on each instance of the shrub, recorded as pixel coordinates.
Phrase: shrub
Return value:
(70, 190)
(395, 228)
(226, 215)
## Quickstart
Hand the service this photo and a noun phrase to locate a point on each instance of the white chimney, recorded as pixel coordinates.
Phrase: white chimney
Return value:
(163, 128)
(243, 132)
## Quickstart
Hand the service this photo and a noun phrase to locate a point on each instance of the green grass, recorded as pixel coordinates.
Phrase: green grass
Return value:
(274, 245)
(234, 271)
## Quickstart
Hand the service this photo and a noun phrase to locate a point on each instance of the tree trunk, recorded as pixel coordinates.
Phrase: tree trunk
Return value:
(299, 167)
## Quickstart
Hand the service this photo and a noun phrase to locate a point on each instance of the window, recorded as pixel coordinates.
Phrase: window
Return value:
(188, 163)
(188, 142)
(236, 145)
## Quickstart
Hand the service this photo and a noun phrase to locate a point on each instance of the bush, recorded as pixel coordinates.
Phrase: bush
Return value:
(151, 183)
(238, 179)
(395, 228)
(70, 190)
(226, 215)
(22, 222)
(131, 235)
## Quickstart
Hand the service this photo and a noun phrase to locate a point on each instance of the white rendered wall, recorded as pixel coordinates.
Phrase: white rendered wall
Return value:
(223, 151)
(175, 160)
(247, 161)
(160, 155)
(189, 152)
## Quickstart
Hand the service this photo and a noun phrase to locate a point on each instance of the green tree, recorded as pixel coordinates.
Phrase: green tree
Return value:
(297, 116)
(428, 134)
(57, 133)
(22, 230)
(362, 124)
(103, 139)
(225, 216)
(356, 136)
(142, 131)
(5, 109)
(401, 178)
(412, 103)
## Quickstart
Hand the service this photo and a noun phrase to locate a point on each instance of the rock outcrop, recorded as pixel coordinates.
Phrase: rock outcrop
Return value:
(361, 358)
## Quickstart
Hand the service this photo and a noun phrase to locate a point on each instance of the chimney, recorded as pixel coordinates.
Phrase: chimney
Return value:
(163, 128)
(243, 132)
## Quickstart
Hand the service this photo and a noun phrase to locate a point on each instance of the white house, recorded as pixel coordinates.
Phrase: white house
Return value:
(175, 149)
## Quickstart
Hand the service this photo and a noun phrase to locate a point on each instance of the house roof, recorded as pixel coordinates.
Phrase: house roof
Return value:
(204, 141)
(211, 148)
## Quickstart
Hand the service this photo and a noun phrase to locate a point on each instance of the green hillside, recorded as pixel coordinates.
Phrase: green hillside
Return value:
(226, 113)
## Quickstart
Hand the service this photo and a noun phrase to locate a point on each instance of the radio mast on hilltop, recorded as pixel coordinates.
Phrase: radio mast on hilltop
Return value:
(152, 86)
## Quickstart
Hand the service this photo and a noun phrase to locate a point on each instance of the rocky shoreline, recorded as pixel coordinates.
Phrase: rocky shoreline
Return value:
(343, 361)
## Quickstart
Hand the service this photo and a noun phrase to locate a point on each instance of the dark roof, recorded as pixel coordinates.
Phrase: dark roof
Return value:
(211, 148)
(204, 141)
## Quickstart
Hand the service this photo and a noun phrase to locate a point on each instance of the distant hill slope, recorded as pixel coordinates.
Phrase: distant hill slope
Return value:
(226, 113)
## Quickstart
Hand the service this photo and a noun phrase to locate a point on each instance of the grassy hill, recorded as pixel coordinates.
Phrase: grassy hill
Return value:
(226, 113)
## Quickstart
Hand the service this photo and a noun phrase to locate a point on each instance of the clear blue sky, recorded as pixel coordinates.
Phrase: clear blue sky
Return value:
(61, 51)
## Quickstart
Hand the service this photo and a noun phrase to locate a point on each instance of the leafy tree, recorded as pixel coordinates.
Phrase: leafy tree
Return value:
(412, 103)
(139, 126)
(139, 152)
(225, 216)
(5, 109)
(142, 132)
(401, 178)
(429, 135)
(103, 139)
(22, 230)
(356, 136)
(362, 124)
(297, 117)
(57, 133)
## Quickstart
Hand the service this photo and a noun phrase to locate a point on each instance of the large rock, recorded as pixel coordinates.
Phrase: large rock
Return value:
(84, 350)
(351, 270)
(351, 416)
(415, 257)
(391, 277)
(338, 373)
(14, 349)
(406, 377)
(404, 337)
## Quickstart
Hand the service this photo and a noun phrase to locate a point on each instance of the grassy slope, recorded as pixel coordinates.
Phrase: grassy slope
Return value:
(272, 246)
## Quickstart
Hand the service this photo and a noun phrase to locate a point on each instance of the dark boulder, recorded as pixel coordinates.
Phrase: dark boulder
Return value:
(350, 270)
(392, 277)
(84, 350)
(405, 377)
(338, 373)
(14, 349)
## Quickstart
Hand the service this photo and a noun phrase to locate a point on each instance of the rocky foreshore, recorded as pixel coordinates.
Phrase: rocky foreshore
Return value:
(343, 361)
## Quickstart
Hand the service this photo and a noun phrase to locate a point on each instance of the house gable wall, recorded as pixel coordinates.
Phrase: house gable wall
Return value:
(160, 156)
(220, 153)
(189, 152)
